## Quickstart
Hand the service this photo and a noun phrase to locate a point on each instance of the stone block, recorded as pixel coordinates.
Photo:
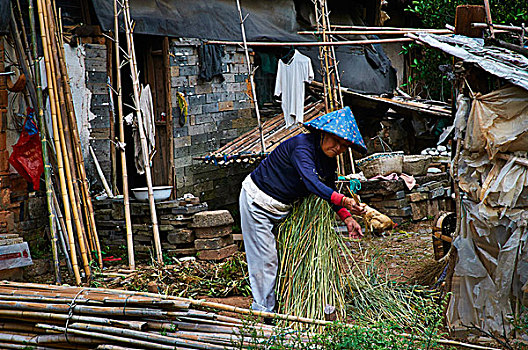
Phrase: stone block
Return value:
(212, 232)
(417, 196)
(397, 211)
(217, 254)
(432, 208)
(213, 243)
(212, 218)
(419, 210)
(396, 203)
(225, 106)
(181, 236)
(181, 252)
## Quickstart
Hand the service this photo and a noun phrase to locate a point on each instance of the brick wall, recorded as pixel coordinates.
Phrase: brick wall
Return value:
(21, 211)
(218, 112)
(96, 79)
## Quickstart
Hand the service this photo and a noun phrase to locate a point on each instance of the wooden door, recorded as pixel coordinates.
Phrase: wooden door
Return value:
(157, 75)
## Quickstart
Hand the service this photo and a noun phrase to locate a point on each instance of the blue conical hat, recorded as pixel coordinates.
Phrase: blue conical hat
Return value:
(342, 124)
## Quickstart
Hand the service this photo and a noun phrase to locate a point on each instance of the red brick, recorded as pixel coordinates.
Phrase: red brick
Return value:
(3, 119)
(4, 164)
(3, 98)
(3, 144)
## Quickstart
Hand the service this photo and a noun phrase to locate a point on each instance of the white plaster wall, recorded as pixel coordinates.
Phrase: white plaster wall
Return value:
(81, 95)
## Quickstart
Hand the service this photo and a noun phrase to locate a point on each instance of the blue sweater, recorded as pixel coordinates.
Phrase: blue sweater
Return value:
(296, 168)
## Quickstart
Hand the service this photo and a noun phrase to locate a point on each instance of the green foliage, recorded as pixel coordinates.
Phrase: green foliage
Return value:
(425, 78)
(438, 13)
(380, 335)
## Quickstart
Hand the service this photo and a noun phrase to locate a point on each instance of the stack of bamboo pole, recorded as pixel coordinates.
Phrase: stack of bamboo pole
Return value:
(75, 212)
(55, 317)
(45, 317)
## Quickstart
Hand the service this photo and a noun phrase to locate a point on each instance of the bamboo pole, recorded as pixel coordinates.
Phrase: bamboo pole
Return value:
(44, 144)
(309, 43)
(250, 75)
(124, 171)
(374, 32)
(62, 231)
(88, 207)
(60, 164)
(141, 343)
(66, 142)
(62, 143)
(488, 18)
(135, 83)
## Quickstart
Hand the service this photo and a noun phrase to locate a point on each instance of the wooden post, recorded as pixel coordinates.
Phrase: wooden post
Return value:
(135, 85)
(251, 80)
(126, 195)
(488, 18)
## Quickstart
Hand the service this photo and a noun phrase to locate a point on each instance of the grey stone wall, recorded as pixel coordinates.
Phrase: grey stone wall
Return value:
(96, 78)
(219, 111)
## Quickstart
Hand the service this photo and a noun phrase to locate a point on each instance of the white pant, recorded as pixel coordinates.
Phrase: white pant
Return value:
(261, 251)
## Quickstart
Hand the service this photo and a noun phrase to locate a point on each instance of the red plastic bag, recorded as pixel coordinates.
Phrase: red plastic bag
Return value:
(27, 157)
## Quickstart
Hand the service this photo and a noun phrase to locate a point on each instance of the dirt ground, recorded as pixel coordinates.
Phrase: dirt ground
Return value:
(398, 255)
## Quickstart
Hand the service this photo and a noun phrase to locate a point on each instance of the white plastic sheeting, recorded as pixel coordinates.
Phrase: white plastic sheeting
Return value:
(492, 264)
(499, 121)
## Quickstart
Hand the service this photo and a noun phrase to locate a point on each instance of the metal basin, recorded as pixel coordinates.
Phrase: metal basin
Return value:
(161, 193)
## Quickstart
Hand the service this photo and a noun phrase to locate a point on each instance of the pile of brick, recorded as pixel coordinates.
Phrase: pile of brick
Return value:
(173, 219)
(431, 195)
(214, 237)
(186, 228)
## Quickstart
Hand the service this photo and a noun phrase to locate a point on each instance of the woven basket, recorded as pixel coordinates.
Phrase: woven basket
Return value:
(381, 164)
(416, 164)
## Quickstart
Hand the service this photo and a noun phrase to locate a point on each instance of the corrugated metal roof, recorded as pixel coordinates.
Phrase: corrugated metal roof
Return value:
(498, 61)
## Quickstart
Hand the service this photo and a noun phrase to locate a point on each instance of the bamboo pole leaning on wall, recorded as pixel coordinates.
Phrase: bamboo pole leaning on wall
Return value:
(135, 85)
(91, 231)
(126, 195)
(85, 187)
(52, 54)
(54, 122)
(250, 75)
(44, 143)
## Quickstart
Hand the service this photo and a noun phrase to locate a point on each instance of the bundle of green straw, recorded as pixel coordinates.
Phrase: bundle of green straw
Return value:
(312, 273)
(317, 269)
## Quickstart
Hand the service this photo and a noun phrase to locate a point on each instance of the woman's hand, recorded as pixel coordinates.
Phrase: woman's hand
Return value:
(353, 207)
(354, 230)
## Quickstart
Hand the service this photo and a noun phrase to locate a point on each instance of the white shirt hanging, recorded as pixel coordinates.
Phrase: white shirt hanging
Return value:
(290, 83)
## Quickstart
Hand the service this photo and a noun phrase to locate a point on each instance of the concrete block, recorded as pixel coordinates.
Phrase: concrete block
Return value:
(218, 254)
(213, 243)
